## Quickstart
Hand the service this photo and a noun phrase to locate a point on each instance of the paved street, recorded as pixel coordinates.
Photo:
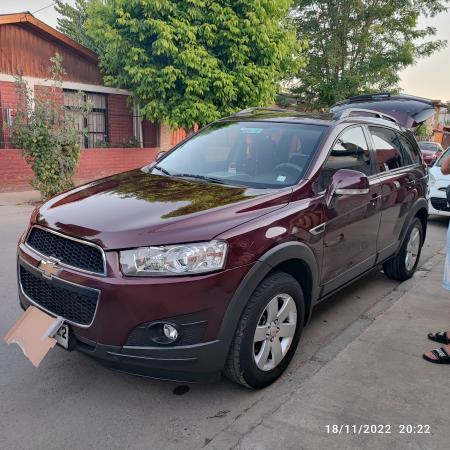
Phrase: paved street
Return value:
(71, 402)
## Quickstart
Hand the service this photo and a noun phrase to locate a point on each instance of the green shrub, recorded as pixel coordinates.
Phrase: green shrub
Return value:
(46, 132)
(424, 132)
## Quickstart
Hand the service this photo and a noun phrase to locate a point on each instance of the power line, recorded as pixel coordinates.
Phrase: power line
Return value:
(42, 9)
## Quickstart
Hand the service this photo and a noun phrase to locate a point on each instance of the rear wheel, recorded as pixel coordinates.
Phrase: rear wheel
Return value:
(403, 266)
(268, 332)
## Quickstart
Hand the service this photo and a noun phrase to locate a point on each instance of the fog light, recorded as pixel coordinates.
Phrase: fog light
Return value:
(170, 332)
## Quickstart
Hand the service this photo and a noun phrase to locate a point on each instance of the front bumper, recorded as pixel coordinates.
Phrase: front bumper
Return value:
(125, 303)
(438, 200)
(196, 363)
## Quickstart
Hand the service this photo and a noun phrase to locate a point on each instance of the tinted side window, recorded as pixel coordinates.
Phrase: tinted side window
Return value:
(389, 152)
(349, 152)
(412, 150)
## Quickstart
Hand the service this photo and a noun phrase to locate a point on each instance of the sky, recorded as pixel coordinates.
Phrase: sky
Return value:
(429, 78)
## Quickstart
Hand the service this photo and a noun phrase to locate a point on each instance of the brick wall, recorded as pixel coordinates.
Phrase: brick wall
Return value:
(169, 137)
(177, 136)
(15, 174)
(8, 99)
(120, 119)
(49, 93)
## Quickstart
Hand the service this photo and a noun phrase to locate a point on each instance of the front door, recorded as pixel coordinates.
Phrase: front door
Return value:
(352, 221)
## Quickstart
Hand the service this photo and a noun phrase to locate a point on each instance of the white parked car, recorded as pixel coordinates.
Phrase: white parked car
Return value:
(438, 185)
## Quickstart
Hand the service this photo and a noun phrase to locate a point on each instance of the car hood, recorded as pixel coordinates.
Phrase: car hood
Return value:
(409, 111)
(438, 175)
(136, 209)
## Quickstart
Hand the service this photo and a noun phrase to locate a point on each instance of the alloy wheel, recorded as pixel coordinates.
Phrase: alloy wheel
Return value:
(412, 249)
(275, 332)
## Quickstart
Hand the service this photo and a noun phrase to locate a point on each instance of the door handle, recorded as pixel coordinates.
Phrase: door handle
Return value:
(374, 200)
(335, 241)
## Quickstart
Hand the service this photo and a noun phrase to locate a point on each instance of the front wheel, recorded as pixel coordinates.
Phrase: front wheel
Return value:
(403, 266)
(268, 332)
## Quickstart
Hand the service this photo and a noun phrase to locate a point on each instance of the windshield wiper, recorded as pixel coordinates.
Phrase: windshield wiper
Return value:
(189, 175)
(164, 171)
(199, 177)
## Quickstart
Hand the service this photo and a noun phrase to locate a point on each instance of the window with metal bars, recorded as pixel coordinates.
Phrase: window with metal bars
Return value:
(93, 126)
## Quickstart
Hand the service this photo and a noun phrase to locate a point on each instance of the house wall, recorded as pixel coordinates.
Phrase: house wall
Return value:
(446, 140)
(8, 100)
(15, 174)
(150, 134)
(119, 116)
(27, 52)
(120, 120)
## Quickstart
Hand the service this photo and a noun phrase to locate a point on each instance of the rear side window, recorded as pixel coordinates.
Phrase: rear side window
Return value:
(390, 154)
(410, 149)
(349, 152)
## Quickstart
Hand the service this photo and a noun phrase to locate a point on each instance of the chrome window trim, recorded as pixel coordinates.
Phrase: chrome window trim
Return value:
(21, 260)
(69, 266)
(391, 173)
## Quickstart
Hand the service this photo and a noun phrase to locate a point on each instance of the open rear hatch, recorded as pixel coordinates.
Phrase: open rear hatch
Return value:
(408, 111)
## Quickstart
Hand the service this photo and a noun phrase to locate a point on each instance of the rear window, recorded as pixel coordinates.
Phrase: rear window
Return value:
(445, 155)
(253, 154)
(429, 146)
(411, 149)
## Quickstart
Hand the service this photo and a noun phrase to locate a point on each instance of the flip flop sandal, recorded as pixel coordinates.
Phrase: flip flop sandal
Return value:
(440, 336)
(442, 356)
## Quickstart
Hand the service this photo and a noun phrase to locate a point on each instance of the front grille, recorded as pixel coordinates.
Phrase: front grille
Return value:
(67, 251)
(440, 204)
(74, 303)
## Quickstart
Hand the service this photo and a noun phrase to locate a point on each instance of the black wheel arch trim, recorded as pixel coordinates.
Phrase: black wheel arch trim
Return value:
(421, 203)
(263, 266)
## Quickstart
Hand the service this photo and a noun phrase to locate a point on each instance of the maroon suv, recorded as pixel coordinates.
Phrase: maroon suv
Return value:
(211, 259)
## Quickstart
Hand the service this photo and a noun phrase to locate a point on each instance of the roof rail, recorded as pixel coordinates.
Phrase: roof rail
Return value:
(362, 112)
(261, 108)
(366, 97)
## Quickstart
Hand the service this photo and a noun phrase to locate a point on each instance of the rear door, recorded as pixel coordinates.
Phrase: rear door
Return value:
(399, 177)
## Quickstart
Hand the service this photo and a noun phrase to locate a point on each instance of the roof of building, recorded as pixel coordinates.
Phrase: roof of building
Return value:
(28, 20)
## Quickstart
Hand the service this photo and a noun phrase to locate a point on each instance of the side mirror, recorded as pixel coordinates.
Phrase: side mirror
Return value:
(347, 182)
(159, 155)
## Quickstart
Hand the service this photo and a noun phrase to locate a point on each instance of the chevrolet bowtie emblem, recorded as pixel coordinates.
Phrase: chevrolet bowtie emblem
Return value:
(49, 268)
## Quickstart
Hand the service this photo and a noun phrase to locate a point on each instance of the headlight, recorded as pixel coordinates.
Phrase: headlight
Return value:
(169, 260)
(431, 178)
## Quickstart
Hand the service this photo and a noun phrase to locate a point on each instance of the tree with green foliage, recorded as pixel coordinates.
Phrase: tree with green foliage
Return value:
(192, 61)
(360, 46)
(72, 21)
(46, 133)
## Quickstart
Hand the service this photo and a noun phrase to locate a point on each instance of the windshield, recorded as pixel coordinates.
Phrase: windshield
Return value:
(430, 146)
(253, 154)
(444, 156)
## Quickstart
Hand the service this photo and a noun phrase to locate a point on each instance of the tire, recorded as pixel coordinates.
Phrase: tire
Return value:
(397, 268)
(283, 291)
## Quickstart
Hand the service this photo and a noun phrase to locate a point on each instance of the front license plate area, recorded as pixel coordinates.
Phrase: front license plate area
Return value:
(62, 336)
